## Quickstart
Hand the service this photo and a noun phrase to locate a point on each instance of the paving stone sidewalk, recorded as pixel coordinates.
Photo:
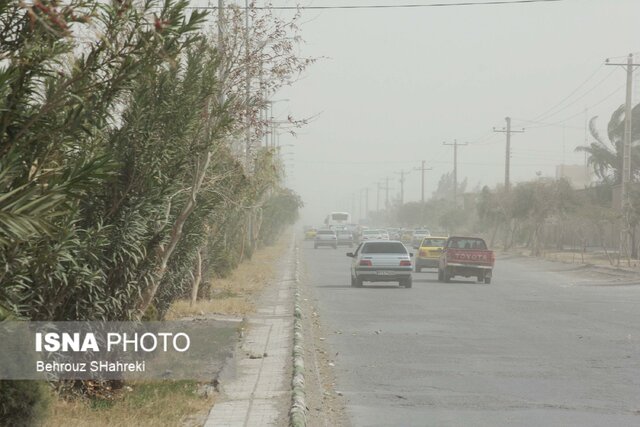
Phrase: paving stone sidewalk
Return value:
(260, 392)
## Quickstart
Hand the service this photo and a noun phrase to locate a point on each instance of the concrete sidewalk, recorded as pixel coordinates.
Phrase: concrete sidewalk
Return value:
(260, 392)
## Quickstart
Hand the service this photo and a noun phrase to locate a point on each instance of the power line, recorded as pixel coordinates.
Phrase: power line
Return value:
(390, 6)
(559, 122)
(598, 68)
(547, 116)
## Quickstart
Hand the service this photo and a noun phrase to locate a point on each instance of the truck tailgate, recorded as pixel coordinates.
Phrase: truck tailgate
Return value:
(470, 256)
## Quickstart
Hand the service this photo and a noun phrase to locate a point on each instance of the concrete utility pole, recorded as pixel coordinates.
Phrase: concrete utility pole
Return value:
(386, 205)
(221, 50)
(422, 169)
(366, 203)
(507, 162)
(247, 83)
(455, 167)
(386, 188)
(353, 203)
(626, 152)
(402, 173)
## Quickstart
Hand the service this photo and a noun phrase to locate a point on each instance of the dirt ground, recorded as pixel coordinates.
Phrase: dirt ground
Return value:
(326, 406)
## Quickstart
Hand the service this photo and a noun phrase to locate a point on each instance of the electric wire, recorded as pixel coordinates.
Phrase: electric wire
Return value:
(541, 116)
(389, 6)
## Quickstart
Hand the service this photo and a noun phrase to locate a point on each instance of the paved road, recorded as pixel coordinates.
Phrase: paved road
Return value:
(537, 347)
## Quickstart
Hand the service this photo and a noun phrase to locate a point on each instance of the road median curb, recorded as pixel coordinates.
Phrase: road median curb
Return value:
(298, 411)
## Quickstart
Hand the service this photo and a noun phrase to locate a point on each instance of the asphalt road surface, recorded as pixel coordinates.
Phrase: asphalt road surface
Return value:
(546, 344)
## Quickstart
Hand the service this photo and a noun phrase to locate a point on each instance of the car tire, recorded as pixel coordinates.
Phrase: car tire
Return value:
(446, 275)
(358, 282)
(440, 276)
(353, 282)
(407, 283)
(487, 280)
(417, 269)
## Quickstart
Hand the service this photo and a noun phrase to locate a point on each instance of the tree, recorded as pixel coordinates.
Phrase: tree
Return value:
(605, 156)
(606, 159)
(445, 187)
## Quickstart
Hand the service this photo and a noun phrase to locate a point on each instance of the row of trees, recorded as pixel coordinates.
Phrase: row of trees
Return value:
(122, 182)
(544, 212)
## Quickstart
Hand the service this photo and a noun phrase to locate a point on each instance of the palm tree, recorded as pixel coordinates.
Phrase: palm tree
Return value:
(606, 160)
(606, 156)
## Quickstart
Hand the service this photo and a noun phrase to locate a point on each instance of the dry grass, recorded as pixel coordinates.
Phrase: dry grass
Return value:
(574, 257)
(149, 404)
(233, 295)
(175, 403)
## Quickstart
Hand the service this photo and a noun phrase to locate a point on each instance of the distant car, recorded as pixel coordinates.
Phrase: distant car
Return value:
(384, 235)
(417, 237)
(345, 238)
(310, 234)
(429, 253)
(326, 237)
(369, 235)
(406, 236)
(381, 261)
(394, 233)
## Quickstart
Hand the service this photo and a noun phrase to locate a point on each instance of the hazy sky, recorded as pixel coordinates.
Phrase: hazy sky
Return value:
(393, 84)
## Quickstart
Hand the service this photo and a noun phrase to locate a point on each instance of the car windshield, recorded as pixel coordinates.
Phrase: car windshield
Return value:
(433, 242)
(384, 248)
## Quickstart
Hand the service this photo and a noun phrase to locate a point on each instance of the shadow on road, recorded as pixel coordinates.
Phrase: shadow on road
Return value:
(333, 286)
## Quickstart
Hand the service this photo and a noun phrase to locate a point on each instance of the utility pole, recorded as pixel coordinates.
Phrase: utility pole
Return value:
(386, 205)
(402, 173)
(455, 168)
(366, 203)
(247, 84)
(422, 169)
(221, 52)
(507, 162)
(353, 203)
(626, 153)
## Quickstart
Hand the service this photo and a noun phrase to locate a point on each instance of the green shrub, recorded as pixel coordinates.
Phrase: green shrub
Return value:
(22, 403)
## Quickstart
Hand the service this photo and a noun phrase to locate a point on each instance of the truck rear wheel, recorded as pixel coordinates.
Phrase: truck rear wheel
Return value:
(440, 276)
(446, 275)
(487, 280)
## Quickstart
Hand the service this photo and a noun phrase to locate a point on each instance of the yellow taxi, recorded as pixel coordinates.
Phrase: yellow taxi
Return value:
(429, 252)
(310, 234)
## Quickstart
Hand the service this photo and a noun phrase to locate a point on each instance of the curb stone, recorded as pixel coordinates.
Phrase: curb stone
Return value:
(298, 412)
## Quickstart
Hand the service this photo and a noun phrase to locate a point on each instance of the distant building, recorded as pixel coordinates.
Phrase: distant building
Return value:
(580, 176)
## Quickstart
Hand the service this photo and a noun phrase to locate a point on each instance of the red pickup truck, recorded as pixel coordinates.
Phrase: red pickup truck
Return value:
(467, 257)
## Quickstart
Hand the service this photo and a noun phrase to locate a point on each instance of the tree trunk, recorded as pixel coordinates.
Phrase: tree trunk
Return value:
(493, 235)
(197, 278)
(164, 253)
